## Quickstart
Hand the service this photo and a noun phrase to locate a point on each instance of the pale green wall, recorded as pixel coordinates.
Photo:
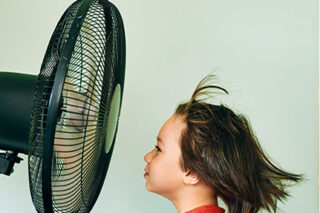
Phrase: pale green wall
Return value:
(266, 54)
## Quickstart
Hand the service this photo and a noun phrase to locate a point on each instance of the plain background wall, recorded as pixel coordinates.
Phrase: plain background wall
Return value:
(264, 52)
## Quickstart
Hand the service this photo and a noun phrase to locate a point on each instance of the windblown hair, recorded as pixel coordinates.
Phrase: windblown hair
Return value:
(220, 148)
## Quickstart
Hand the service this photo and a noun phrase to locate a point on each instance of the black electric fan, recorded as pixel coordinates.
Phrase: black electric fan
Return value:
(66, 118)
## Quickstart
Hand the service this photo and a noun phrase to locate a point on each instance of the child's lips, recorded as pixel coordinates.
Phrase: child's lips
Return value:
(146, 173)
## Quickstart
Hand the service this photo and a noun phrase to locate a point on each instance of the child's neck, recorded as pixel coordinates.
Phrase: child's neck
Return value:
(193, 198)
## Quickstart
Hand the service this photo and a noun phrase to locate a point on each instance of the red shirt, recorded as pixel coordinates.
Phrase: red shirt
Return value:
(207, 209)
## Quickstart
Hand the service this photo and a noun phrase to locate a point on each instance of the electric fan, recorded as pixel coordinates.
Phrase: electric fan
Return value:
(66, 118)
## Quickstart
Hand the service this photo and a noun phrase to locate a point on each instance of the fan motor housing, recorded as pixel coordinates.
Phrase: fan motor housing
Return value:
(16, 102)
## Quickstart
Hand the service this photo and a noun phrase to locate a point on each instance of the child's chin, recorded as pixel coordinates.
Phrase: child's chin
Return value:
(148, 187)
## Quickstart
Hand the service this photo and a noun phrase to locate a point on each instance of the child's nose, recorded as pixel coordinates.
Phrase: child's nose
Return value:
(147, 157)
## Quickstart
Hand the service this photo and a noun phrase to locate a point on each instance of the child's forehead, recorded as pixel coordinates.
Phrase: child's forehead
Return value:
(171, 130)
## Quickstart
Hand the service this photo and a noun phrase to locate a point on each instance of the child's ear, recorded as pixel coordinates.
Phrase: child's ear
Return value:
(190, 178)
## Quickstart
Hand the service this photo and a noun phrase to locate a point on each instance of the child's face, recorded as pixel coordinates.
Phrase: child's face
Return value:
(163, 173)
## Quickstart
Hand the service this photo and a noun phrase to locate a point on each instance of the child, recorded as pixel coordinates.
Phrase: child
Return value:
(207, 151)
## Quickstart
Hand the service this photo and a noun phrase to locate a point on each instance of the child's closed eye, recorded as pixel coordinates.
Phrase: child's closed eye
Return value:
(158, 149)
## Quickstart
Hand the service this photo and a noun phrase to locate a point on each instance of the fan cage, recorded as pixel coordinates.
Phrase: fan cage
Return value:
(79, 162)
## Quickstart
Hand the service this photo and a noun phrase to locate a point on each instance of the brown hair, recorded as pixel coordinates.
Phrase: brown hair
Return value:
(220, 148)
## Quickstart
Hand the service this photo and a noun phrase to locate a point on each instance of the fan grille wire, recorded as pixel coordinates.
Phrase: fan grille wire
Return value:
(81, 126)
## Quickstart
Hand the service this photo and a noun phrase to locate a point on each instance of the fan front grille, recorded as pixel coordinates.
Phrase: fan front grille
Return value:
(79, 138)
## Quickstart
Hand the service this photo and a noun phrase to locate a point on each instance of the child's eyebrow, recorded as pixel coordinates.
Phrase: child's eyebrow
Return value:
(160, 141)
